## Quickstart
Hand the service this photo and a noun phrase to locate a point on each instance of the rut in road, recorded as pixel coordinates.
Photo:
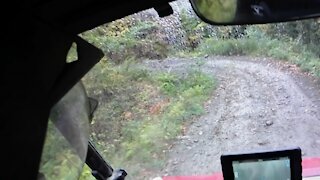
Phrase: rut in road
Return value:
(255, 106)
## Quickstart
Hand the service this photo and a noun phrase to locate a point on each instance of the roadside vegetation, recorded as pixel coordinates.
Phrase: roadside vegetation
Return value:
(256, 42)
(140, 111)
(296, 42)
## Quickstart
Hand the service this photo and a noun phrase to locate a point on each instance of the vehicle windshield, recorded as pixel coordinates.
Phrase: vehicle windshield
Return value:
(175, 93)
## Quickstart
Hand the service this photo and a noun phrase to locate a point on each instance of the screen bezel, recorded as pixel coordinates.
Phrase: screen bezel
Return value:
(293, 154)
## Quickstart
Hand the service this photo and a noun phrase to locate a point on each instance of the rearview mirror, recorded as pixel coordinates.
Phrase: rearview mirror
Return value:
(236, 12)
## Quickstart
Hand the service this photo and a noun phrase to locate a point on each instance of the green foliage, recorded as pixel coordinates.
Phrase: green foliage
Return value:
(142, 111)
(141, 39)
(142, 30)
(257, 42)
(59, 160)
(191, 26)
(168, 83)
(190, 93)
(216, 47)
(148, 137)
(189, 23)
(86, 173)
(124, 39)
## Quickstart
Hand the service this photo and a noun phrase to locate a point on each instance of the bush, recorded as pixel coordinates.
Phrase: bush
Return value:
(229, 47)
(142, 111)
(139, 40)
(257, 43)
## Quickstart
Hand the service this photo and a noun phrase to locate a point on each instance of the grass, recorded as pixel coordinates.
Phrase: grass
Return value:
(252, 45)
(140, 112)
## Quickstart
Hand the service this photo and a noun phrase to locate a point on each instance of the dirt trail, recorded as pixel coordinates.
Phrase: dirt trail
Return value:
(257, 105)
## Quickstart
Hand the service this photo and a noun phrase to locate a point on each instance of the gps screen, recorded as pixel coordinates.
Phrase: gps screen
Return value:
(262, 169)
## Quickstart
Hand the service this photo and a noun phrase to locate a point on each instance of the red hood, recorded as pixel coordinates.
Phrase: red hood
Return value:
(310, 167)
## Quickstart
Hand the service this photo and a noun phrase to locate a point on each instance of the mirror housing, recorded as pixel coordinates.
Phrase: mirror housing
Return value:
(238, 12)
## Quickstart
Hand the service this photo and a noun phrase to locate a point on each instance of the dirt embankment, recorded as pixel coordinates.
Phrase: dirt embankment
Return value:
(258, 104)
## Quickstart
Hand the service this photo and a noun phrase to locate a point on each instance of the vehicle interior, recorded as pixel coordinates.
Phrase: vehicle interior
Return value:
(36, 75)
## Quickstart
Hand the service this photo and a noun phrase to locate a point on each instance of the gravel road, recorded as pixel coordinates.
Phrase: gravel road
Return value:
(258, 104)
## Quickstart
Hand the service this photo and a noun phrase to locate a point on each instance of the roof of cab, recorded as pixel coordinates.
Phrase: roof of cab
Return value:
(76, 16)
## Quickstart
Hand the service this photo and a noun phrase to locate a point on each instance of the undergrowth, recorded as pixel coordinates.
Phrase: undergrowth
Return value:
(140, 111)
(256, 43)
